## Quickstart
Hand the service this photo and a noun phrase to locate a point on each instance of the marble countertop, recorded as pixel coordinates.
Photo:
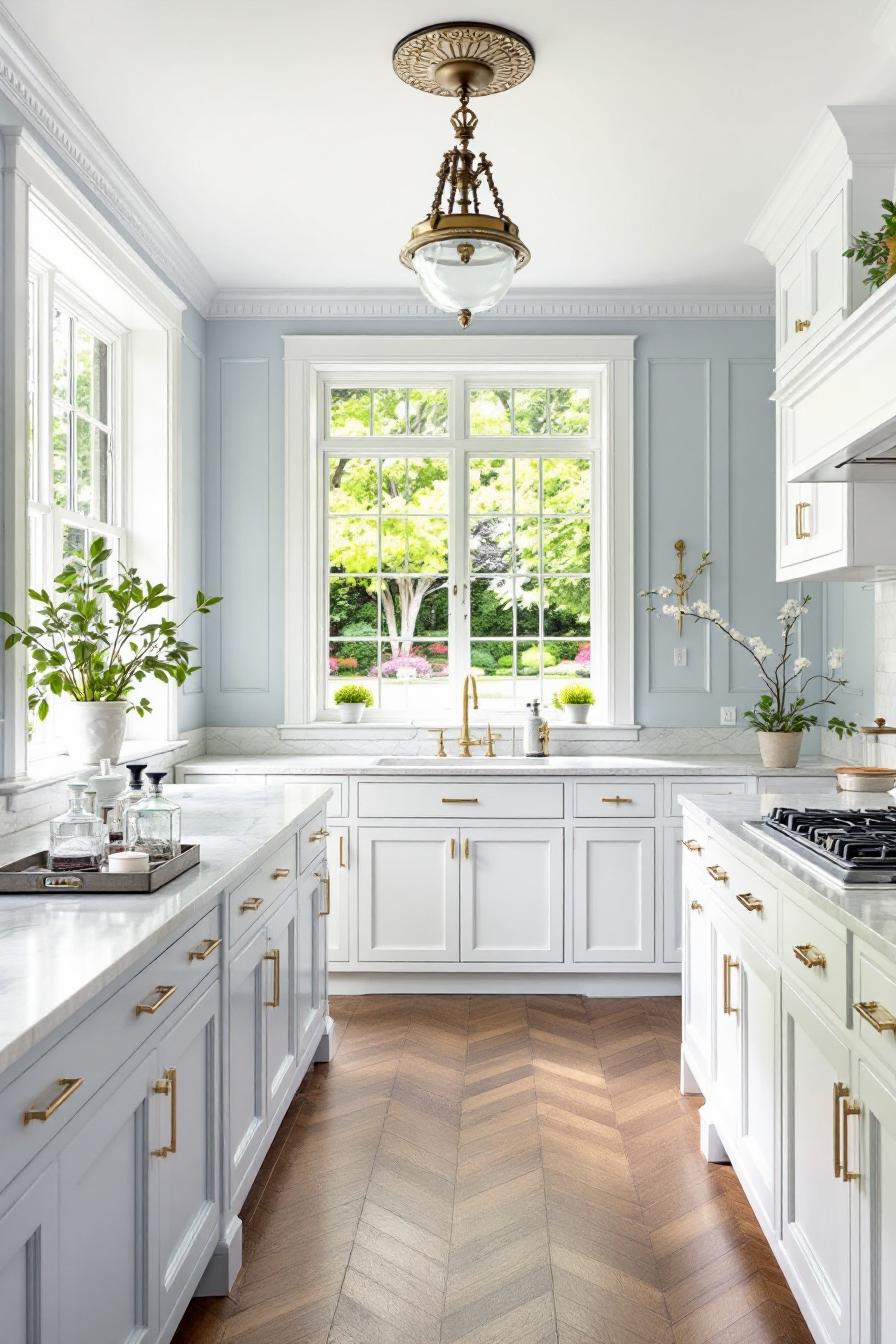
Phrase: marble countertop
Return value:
(59, 952)
(275, 764)
(869, 911)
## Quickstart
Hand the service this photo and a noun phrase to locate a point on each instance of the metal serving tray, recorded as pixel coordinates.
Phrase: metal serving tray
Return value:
(32, 874)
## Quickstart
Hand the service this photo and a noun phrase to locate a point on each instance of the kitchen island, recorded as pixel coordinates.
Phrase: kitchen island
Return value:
(149, 1048)
(789, 1033)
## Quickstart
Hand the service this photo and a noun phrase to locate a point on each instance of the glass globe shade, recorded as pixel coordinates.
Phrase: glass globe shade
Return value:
(451, 284)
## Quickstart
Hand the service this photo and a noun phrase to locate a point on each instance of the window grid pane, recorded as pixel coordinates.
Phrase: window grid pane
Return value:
(387, 412)
(528, 411)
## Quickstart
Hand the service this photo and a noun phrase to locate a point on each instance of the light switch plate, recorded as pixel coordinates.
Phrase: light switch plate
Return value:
(680, 656)
(728, 716)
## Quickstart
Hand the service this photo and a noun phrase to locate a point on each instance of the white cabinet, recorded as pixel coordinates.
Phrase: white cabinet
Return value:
(409, 910)
(247, 1081)
(29, 1264)
(671, 908)
(725, 1005)
(339, 862)
(758, 1038)
(511, 894)
(283, 988)
(311, 991)
(877, 1199)
(696, 981)
(812, 281)
(613, 893)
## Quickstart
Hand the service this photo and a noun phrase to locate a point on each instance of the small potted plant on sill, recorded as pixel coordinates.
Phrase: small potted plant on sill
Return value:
(93, 642)
(351, 701)
(786, 709)
(575, 701)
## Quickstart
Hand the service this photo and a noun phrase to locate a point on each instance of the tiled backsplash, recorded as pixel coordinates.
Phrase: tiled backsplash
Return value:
(864, 749)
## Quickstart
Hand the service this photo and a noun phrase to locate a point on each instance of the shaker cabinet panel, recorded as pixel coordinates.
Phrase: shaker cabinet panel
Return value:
(511, 895)
(339, 863)
(613, 893)
(29, 1264)
(696, 979)
(283, 988)
(246, 1063)
(670, 912)
(759, 1032)
(408, 894)
(310, 998)
(877, 1190)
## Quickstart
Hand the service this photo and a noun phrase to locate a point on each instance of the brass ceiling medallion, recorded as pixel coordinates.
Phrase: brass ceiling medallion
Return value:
(464, 259)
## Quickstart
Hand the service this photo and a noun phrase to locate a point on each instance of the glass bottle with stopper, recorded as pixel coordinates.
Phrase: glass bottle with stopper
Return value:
(133, 793)
(152, 823)
(77, 838)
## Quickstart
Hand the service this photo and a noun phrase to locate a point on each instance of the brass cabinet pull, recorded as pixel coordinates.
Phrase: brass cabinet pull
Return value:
(279, 873)
(801, 532)
(727, 963)
(251, 903)
(275, 958)
(342, 862)
(325, 878)
(716, 873)
(466, 847)
(164, 992)
(209, 945)
(617, 799)
(839, 1093)
(460, 800)
(810, 956)
(453, 844)
(695, 905)
(849, 1108)
(317, 836)
(880, 1018)
(693, 846)
(802, 324)
(69, 1088)
(749, 902)
(167, 1087)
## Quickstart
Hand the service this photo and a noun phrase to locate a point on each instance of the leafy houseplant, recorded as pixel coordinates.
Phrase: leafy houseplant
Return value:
(93, 642)
(576, 701)
(351, 701)
(877, 251)
(786, 708)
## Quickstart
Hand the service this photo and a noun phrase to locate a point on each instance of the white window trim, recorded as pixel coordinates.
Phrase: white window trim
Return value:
(311, 361)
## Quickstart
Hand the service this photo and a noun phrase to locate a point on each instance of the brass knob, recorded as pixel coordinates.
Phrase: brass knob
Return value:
(801, 324)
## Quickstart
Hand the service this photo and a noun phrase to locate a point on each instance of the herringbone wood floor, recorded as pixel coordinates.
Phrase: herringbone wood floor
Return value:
(485, 1170)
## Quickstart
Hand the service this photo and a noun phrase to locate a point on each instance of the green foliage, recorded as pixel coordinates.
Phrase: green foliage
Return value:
(94, 641)
(871, 250)
(530, 660)
(353, 695)
(483, 660)
(767, 717)
(505, 662)
(574, 695)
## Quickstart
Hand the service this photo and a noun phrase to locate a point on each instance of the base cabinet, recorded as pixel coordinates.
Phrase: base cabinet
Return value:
(29, 1264)
(613, 893)
(511, 895)
(411, 880)
(696, 978)
(339, 863)
(877, 1206)
(247, 1063)
(283, 988)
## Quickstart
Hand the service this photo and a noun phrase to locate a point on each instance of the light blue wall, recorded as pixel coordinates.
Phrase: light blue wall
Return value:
(704, 455)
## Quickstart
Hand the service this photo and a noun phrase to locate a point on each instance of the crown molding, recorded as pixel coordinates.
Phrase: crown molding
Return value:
(560, 305)
(51, 109)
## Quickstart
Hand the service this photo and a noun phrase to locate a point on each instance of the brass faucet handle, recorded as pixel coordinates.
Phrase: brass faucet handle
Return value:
(441, 735)
(490, 740)
(544, 733)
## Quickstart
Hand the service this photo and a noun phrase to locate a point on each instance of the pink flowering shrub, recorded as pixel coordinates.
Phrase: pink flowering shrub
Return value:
(405, 662)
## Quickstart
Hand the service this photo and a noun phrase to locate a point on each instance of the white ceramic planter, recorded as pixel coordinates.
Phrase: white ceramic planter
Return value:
(94, 729)
(577, 713)
(351, 713)
(780, 750)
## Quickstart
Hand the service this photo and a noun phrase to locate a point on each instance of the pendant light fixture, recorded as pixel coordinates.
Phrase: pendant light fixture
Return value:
(464, 258)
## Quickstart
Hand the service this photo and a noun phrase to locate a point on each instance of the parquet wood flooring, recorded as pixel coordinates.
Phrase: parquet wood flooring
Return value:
(498, 1170)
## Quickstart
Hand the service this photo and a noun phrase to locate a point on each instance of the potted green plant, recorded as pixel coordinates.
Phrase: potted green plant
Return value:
(93, 642)
(351, 701)
(877, 251)
(786, 709)
(575, 701)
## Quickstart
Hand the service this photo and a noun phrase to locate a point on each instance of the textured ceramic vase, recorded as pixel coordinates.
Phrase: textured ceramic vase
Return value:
(781, 750)
(577, 713)
(351, 713)
(94, 730)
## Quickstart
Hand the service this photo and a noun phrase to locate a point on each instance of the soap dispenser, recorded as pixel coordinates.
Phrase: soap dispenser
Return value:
(536, 732)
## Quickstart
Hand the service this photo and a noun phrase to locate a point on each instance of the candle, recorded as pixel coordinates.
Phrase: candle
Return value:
(129, 861)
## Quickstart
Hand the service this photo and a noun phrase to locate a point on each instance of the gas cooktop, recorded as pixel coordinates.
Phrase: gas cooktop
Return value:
(852, 847)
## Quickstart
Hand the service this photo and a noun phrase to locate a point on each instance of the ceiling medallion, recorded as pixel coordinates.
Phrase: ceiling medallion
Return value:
(464, 259)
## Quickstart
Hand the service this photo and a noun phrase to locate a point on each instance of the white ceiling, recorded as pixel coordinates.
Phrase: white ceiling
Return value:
(279, 143)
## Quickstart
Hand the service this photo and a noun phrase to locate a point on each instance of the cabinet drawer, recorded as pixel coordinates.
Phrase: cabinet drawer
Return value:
(615, 798)
(253, 898)
(874, 1006)
(807, 938)
(337, 803)
(68, 1075)
(719, 788)
(463, 797)
(313, 842)
(750, 900)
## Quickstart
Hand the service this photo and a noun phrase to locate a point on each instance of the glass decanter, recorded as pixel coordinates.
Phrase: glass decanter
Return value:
(77, 838)
(152, 823)
(135, 792)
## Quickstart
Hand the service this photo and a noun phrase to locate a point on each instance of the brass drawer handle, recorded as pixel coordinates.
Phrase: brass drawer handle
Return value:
(202, 953)
(727, 963)
(849, 1108)
(800, 530)
(342, 862)
(839, 1093)
(325, 878)
(316, 836)
(880, 1018)
(167, 1087)
(251, 903)
(617, 799)
(693, 846)
(460, 800)
(452, 844)
(275, 958)
(695, 905)
(810, 956)
(466, 846)
(279, 873)
(749, 902)
(802, 324)
(69, 1088)
(164, 992)
(716, 873)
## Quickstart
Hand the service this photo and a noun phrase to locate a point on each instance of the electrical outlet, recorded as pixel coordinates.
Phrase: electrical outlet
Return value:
(679, 656)
(728, 716)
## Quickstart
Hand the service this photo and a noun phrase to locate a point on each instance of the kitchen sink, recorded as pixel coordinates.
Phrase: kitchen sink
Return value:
(452, 762)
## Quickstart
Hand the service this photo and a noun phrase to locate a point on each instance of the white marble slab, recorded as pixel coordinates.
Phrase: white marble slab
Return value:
(57, 953)
(516, 765)
(869, 911)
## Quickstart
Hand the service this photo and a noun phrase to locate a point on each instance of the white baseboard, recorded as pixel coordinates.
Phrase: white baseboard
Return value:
(595, 986)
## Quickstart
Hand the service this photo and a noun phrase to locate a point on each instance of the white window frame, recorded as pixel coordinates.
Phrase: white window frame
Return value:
(312, 364)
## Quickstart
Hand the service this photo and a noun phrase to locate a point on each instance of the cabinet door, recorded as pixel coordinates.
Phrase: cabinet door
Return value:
(827, 272)
(310, 1000)
(790, 306)
(696, 982)
(108, 1243)
(877, 1193)
(189, 1202)
(246, 1085)
(339, 861)
(812, 524)
(816, 1216)
(671, 911)
(759, 1028)
(511, 895)
(613, 893)
(408, 894)
(725, 1003)
(29, 1264)
(280, 977)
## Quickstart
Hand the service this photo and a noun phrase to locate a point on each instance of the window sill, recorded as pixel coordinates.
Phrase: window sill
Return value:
(59, 769)
(403, 731)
